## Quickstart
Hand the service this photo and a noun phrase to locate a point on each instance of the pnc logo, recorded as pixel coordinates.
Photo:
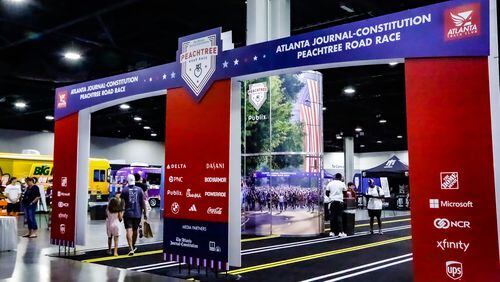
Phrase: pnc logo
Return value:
(462, 22)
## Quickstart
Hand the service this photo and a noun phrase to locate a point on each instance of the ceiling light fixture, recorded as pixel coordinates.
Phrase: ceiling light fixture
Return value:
(16, 1)
(124, 106)
(393, 64)
(137, 118)
(361, 146)
(20, 105)
(147, 127)
(400, 136)
(72, 55)
(324, 108)
(49, 117)
(154, 134)
(349, 90)
(382, 121)
(347, 9)
(379, 142)
(358, 129)
(339, 137)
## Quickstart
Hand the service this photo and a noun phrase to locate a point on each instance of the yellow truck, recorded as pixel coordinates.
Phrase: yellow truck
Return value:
(40, 166)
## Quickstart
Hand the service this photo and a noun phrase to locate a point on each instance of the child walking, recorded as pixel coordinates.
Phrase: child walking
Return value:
(114, 214)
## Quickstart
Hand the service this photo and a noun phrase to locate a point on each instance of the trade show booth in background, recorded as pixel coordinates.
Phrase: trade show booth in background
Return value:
(447, 66)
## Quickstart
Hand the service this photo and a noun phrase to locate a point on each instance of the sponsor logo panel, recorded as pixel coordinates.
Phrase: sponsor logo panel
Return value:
(454, 269)
(462, 22)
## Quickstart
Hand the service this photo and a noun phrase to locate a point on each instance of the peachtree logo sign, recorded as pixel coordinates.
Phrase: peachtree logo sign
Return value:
(198, 60)
(257, 94)
(62, 98)
(462, 22)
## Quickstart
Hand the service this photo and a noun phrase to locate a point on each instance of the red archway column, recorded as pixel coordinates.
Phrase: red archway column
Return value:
(454, 223)
(63, 216)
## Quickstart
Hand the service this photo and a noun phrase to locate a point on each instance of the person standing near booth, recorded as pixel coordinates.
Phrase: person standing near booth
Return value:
(13, 193)
(133, 198)
(375, 195)
(30, 201)
(336, 188)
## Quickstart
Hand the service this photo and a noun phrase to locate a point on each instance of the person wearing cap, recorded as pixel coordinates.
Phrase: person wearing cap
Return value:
(133, 197)
(375, 195)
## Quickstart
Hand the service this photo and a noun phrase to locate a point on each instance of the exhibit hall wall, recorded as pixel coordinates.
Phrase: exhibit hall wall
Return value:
(129, 150)
(333, 162)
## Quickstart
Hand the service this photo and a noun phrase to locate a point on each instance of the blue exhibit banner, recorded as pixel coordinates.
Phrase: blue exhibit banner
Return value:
(448, 29)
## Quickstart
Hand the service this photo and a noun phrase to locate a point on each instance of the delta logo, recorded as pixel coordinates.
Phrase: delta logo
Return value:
(462, 22)
(62, 99)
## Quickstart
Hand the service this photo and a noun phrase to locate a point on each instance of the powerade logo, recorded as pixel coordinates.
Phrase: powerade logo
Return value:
(454, 269)
(462, 22)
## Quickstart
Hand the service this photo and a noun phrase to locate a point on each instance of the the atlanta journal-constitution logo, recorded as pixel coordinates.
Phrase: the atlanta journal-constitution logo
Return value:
(462, 22)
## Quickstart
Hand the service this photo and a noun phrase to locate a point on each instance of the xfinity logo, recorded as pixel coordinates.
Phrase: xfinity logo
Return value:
(436, 204)
(177, 179)
(446, 245)
(449, 180)
(444, 223)
(454, 269)
(462, 22)
(62, 215)
(62, 204)
(217, 210)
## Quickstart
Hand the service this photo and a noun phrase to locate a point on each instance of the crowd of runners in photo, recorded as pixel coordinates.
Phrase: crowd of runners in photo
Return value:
(280, 198)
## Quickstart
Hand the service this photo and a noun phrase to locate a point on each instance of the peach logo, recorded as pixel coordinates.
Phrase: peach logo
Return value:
(62, 98)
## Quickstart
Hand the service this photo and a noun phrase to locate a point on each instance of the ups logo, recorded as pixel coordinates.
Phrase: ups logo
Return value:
(42, 170)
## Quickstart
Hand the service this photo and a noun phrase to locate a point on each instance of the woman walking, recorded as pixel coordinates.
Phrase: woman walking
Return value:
(30, 202)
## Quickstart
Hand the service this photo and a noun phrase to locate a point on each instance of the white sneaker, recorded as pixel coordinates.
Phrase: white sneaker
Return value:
(331, 234)
(343, 235)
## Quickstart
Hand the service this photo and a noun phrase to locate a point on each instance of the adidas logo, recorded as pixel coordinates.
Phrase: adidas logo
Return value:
(193, 208)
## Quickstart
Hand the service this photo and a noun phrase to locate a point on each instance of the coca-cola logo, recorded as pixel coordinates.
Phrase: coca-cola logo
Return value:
(217, 210)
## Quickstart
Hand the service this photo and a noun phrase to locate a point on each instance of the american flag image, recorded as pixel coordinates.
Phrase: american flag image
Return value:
(310, 117)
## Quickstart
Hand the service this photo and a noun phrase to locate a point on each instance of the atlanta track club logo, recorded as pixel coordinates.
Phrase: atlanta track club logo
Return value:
(257, 94)
(462, 22)
(62, 98)
(198, 62)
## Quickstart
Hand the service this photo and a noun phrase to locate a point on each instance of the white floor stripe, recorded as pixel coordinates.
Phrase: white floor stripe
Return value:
(356, 268)
(370, 270)
(274, 247)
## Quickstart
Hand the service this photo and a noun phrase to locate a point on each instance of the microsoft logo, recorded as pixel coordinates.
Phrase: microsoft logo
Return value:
(434, 203)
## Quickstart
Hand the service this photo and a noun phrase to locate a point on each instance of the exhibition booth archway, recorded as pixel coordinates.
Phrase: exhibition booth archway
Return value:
(449, 71)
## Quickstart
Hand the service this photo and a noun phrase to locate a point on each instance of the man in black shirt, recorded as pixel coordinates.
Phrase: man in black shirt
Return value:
(30, 201)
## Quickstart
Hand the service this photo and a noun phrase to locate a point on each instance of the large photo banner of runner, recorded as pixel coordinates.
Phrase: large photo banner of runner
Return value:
(282, 149)
(197, 177)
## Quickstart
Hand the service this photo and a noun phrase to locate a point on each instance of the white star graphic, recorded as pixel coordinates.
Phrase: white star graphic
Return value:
(150, 79)
(224, 64)
(164, 76)
(236, 61)
(264, 56)
(255, 58)
(172, 75)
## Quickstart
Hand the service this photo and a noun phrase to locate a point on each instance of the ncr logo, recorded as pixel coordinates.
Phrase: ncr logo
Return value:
(462, 22)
